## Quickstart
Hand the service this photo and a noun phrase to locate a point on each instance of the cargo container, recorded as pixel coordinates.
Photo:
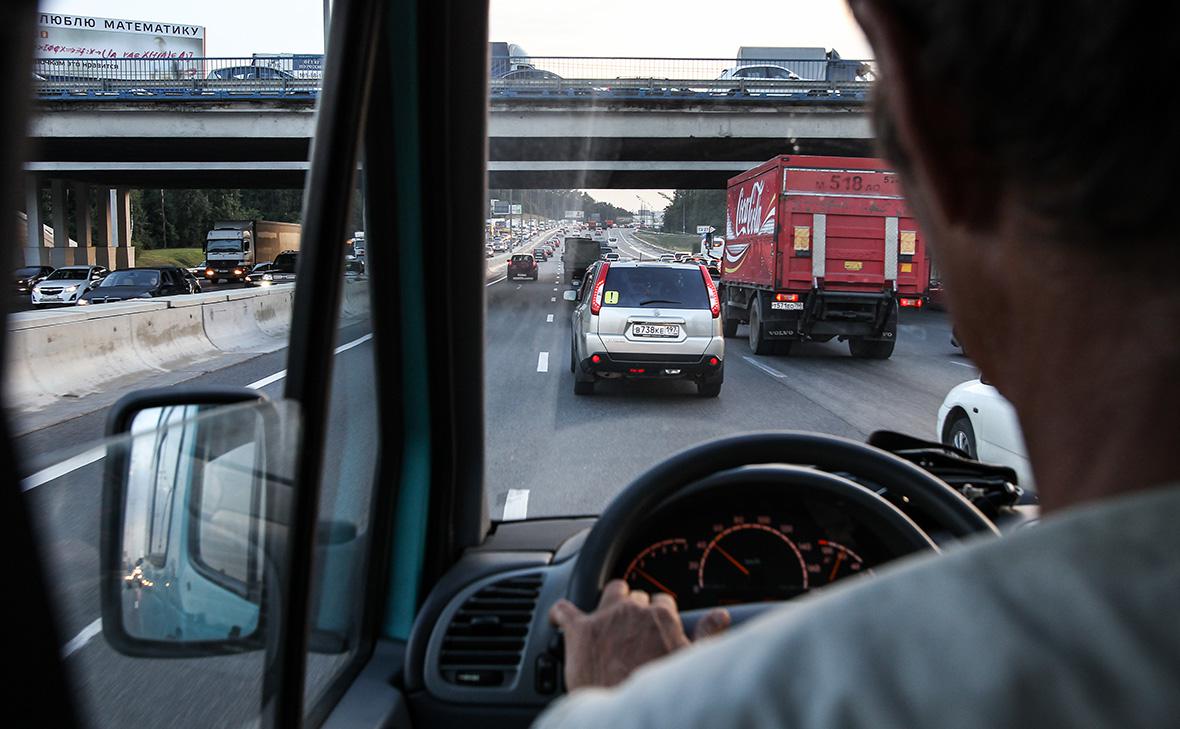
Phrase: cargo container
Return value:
(818, 248)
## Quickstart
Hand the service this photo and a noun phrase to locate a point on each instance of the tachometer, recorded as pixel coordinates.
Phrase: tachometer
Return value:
(836, 561)
(662, 567)
(751, 563)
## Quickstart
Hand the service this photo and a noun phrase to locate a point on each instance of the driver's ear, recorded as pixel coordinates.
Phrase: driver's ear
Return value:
(921, 128)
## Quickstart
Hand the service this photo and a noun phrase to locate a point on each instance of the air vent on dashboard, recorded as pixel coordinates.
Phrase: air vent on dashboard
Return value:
(486, 637)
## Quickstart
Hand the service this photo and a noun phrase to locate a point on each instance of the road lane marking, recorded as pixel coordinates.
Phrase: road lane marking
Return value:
(504, 278)
(518, 286)
(81, 639)
(552, 299)
(516, 504)
(549, 319)
(58, 470)
(543, 362)
(765, 368)
(85, 458)
(962, 364)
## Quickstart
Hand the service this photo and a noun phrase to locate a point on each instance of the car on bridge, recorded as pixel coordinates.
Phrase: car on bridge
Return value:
(137, 283)
(65, 285)
(249, 73)
(635, 320)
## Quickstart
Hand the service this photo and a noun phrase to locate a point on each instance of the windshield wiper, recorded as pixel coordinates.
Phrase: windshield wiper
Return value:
(659, 301)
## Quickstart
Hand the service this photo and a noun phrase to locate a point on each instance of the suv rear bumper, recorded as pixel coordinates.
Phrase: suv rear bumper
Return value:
(655, 367)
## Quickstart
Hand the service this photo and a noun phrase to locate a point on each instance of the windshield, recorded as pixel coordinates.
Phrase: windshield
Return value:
(69, 274)
(285, 263)
(142, 278)
(26, 272)
(224, 246)
(825, 318)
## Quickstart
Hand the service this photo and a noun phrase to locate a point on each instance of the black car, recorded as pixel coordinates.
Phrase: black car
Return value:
(281, 271)
(28, 277)
(137, 283)
(522, 265)
(254, 278)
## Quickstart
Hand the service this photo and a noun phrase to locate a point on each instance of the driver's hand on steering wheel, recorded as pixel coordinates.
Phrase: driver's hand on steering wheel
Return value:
(628, 629)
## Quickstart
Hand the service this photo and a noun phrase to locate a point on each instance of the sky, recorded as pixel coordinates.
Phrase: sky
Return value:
(658, 28)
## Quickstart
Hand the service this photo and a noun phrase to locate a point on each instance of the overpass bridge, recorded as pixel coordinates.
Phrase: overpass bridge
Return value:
(566, 123)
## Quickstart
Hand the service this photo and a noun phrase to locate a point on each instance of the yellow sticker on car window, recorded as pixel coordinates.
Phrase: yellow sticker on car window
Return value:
(611, 297)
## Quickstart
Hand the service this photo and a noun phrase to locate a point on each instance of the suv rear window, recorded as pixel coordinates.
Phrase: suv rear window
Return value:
(285, 262)
(520, 259)
(681, 288)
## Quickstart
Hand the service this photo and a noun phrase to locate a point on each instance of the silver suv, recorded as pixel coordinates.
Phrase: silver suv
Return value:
(647, 320)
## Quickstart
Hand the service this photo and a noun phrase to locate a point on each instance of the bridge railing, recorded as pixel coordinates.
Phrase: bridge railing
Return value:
(536, 76)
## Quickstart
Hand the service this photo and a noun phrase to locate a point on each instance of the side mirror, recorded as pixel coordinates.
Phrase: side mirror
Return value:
(570, 295)
(195, 507)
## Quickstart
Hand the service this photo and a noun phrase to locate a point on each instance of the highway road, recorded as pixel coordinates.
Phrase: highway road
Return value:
(552, 453)
(548, 453)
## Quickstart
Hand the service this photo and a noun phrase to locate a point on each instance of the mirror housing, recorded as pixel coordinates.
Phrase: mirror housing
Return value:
(570, 295)
(188, 522)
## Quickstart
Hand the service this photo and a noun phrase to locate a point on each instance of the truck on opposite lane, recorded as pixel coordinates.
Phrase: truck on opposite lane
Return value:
(234, 247)
(818, 248)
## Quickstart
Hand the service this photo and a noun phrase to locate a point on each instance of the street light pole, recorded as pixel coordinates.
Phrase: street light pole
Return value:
(327, 24)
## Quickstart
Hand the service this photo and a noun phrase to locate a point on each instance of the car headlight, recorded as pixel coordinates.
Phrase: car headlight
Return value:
(238, 272)
(71, 289)
(208, 271)
(83, 302)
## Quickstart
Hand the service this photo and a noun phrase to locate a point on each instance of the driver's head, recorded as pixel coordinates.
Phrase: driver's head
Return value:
(1037, 144)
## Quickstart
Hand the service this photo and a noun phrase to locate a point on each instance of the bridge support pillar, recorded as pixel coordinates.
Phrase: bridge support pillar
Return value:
(120, 217)
(64, 249)
(85, 253)
(36, 250)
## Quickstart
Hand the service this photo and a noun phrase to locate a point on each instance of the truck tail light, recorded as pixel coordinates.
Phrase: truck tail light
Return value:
(913, 303)
(786, 297)
(714, 300)
(599, 285)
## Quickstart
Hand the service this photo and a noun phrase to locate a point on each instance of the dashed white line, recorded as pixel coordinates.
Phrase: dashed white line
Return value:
(516, 504)
(765, 368)
(490, 283)
(82, 638)
(552, 299)
(58, 470)
(549, 319)
(543, 362)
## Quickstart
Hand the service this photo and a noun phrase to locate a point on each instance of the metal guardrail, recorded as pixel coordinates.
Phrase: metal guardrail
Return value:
(88, 78)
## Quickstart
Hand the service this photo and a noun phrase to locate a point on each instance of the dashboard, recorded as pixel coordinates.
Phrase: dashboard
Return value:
(749, 544)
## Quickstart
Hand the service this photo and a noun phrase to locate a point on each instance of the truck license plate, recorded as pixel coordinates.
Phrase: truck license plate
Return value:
(787, 305)
(655, 330)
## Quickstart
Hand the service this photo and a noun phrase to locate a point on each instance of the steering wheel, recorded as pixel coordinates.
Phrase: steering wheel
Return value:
(926, 493)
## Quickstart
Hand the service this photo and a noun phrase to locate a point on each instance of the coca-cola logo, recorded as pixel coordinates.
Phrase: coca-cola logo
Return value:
(748, 213)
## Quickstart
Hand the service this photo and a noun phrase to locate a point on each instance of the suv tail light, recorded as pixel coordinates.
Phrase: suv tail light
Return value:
(714, 299)
(596, 292)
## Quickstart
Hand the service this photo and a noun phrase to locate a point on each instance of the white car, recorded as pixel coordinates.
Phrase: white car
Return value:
(975, 418)
(66, 285)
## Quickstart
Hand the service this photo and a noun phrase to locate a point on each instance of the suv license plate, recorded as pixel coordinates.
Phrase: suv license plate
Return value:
(655, 330)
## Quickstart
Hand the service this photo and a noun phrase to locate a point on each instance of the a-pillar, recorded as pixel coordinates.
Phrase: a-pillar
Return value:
(121, 218)
(36, 252)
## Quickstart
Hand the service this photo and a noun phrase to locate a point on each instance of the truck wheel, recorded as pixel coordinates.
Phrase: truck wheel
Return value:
(962, 436)
(708, 389)
(870, 349)
(758, 342)
(729, 326)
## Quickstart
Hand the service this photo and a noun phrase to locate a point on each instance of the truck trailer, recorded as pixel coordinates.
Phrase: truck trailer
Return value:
(234, 247)
(818, 248)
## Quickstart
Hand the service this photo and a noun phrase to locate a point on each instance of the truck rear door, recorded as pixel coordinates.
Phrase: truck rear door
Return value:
(846, 230)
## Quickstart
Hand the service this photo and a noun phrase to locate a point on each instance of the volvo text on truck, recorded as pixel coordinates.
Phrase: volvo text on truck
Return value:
(233, 247)
(818, 248)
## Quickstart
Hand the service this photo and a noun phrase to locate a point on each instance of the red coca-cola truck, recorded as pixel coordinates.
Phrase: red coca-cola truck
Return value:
(818, 248)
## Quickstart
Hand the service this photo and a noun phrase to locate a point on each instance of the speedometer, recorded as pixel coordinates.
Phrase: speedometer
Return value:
(662, 567)
(751, 562)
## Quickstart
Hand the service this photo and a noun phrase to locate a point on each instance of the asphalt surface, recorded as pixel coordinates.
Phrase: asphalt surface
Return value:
(572, 454)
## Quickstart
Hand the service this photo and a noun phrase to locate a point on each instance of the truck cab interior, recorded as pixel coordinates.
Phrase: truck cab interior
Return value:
(261, 597)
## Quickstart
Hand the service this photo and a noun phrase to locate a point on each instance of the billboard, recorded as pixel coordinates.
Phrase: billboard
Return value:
(88, 47)
(501, 207)
(299, 65)
(518, 209)
(575, 214)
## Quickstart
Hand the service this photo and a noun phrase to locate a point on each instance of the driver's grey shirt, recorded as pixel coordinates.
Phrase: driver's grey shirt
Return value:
(1071, 623)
